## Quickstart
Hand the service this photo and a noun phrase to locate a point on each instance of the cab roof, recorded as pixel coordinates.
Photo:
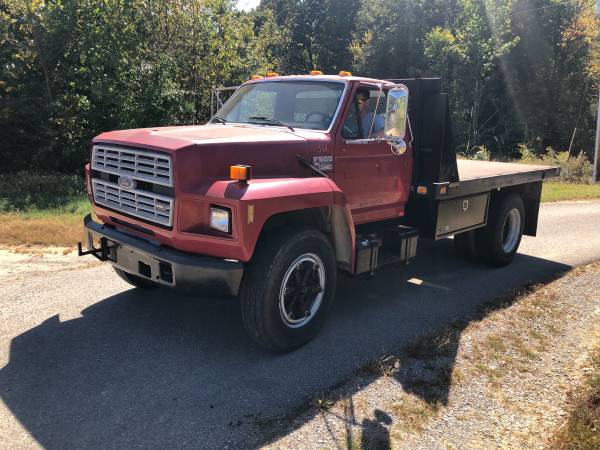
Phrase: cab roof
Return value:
(321, 78)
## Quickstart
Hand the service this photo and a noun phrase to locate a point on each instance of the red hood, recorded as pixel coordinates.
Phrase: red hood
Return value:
(174, 138)
(204, 153)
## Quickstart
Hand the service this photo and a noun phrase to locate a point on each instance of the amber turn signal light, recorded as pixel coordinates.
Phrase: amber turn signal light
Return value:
(240, 172)
(422, 190)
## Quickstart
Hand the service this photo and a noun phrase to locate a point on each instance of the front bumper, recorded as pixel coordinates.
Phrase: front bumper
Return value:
(162, 265)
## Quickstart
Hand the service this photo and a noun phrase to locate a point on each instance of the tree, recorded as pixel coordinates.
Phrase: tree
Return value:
(315, 34)
(74, 68)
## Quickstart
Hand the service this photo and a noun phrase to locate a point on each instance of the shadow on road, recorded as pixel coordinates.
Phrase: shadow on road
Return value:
(158, 369)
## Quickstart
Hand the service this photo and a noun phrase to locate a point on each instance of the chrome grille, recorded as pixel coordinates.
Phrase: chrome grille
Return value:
(146, 205)
(144, 165)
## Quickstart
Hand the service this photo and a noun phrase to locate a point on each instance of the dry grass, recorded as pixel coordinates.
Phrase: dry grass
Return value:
(58, 226)
(385, 366)
(62, 224)
(17, 230)
(432, 379)
(582, 430)
(412, 413)
(434, 345)
(504, 351)
(44, 210)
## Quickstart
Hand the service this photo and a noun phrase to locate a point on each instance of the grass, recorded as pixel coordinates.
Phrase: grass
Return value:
(48, 209)
(60, 226)
(413, 413)
(41, 209)
(582, 430)
(556, 192)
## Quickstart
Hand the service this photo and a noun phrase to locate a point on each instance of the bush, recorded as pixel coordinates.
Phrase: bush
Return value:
(478, 153)
(527, 154)
(26, 191)
(573, 169)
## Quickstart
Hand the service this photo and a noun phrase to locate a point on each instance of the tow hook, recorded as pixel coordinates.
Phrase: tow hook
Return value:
(103, 253)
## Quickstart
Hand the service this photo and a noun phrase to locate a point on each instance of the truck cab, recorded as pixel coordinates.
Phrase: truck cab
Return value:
(292, 180)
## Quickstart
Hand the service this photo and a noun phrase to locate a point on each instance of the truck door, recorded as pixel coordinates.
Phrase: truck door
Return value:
(375, 180)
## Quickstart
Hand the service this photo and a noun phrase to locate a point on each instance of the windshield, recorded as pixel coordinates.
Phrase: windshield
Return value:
(300, 104)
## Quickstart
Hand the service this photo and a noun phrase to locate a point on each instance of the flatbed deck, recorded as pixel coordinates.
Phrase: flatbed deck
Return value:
(481, 176)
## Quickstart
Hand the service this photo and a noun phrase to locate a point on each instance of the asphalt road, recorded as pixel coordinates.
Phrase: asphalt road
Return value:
(88, 362)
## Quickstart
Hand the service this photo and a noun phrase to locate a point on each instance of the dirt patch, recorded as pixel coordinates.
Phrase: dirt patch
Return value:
(34, 260)
(501, 380)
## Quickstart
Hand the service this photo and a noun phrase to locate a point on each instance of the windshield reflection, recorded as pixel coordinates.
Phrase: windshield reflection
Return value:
(294, 104)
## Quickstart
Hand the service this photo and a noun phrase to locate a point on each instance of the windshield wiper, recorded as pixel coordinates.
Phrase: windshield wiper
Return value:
(273, 121)
(218, 119)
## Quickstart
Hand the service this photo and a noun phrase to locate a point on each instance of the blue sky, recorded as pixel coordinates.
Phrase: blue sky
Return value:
(247, 4)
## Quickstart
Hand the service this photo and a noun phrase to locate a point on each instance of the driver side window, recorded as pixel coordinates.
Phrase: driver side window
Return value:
(365, 118)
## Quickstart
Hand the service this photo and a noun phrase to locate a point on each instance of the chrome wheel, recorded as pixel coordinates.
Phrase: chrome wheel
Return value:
(302, 290)
(511, 230)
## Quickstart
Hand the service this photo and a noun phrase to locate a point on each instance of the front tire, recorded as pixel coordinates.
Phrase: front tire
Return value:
(288, 288)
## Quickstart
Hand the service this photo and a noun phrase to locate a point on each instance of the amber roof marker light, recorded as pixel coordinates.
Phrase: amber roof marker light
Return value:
(272, 74)
(315, 72)
(344, 73)
(240, 173)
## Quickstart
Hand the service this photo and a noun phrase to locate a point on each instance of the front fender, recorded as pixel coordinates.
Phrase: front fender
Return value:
(256, 201)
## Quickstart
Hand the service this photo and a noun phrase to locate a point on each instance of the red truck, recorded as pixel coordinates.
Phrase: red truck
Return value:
(294, 179)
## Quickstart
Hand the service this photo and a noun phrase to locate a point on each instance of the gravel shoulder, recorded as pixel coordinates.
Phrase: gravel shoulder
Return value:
(501, 380)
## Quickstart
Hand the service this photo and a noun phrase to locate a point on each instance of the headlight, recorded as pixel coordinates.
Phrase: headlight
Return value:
(220, 219)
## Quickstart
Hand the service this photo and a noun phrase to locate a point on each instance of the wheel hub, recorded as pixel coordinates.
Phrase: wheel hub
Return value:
(511, 230)
(302, 290)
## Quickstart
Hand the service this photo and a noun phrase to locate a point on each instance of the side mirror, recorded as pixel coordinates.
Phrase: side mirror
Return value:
(395, 117)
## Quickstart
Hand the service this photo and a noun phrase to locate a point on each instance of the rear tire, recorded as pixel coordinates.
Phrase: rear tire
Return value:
(499, 241)
(288, 288)
(135, 280)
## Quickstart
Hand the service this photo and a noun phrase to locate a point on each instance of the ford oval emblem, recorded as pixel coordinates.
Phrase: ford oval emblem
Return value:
(127, 183)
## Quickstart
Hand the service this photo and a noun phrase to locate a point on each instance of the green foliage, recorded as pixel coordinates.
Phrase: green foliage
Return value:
(527, 154)
(76, 68)
(315, 34)
(25, 191)
(515, 70)
(481, 153)
(573, 169)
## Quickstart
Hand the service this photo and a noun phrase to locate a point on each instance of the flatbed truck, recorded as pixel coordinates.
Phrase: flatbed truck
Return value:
(293, 180)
